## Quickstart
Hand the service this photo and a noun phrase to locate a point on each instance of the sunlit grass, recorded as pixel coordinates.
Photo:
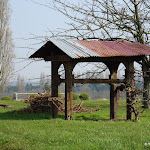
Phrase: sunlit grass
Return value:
(40, 132)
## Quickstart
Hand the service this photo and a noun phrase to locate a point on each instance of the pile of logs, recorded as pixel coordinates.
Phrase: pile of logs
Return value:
(39, 104)
(43, 103)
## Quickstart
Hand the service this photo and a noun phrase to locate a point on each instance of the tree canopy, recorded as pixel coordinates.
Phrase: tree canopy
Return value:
(106, 19)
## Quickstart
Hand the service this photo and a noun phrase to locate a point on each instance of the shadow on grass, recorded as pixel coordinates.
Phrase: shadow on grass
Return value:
(41, 116)
(83, 117)
(11, 115)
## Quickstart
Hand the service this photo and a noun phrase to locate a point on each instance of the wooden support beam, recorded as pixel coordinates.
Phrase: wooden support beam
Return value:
(113, 101)
(54, 85)
(130, 85)
(57, 58)
(113, 89)
(96, 81)
(113, 60)
(68, 90)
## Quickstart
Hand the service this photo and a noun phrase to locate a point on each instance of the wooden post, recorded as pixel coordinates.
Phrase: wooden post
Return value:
(54, 85)
(68, 90)
(129, 74)
(113, 101)
(113, 91)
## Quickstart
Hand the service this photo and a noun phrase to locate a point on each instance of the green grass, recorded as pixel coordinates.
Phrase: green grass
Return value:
(40, 132)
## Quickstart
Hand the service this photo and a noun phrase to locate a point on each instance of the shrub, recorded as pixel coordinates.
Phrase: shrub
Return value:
(6, 98)
(59, 95)
(75, 96)
(32, 96)
(84, 96)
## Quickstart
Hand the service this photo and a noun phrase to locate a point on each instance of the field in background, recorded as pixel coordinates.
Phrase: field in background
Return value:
(39, 131)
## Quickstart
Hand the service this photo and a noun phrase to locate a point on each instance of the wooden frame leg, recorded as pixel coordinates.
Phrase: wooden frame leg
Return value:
(54, 85)
(113, 101)
(68, 90)
(113, 90)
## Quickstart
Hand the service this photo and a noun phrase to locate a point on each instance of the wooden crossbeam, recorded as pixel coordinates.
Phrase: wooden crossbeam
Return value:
(96, 80)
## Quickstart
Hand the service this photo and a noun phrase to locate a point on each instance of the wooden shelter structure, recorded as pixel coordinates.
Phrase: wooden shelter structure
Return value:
(111, 53)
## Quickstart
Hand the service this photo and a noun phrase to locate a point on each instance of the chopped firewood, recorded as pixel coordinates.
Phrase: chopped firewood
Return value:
(43, 103)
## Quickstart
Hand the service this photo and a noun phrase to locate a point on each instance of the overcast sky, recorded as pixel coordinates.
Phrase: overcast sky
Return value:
(30, 19)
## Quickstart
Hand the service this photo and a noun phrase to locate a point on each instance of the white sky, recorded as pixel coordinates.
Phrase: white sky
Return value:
(29, 19)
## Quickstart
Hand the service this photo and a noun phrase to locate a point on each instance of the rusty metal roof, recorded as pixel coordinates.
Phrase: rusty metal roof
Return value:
(116, 48)
(80, 49)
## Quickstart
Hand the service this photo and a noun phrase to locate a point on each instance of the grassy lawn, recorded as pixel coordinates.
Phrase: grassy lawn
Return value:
(40, 132)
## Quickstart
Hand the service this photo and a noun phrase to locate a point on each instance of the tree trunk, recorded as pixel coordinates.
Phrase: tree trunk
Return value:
(146, 94)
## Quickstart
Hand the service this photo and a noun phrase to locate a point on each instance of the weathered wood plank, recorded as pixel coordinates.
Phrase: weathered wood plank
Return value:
(96, 80)
(109, 59)
(113, 89)
(68, 90)
(57, 58)
(113, 101)
(54, 85)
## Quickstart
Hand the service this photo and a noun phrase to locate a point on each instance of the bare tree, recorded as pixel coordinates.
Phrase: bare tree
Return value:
(6, 45)
(108, 20)
(105, 19)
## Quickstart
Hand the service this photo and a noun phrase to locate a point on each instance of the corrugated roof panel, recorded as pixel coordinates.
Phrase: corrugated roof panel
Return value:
(73, 49)
(81, 49)
(138, 47)
(116, 48)
(99, 48)
(120, 48)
